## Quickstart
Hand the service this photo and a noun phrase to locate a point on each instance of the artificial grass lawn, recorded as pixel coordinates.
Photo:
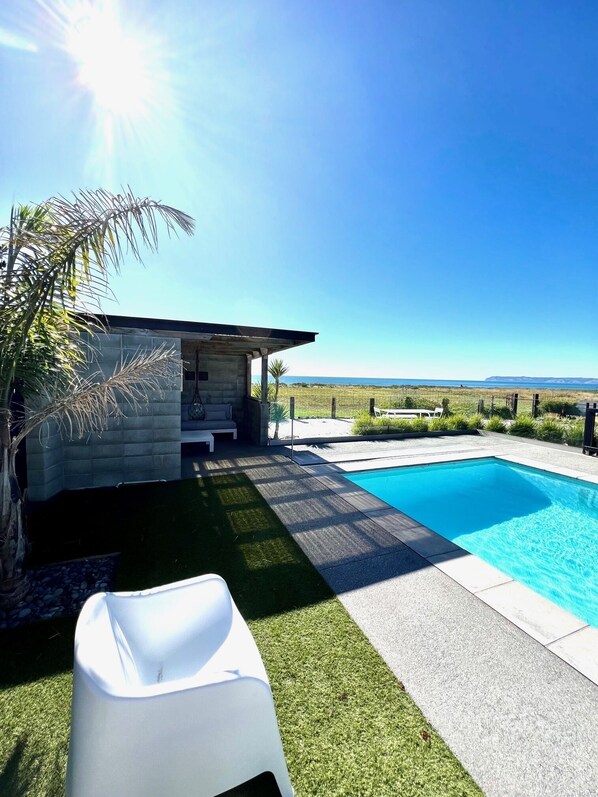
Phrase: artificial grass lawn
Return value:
(348, 727)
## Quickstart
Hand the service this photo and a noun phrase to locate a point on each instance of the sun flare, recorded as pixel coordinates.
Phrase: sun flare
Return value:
(112, 64)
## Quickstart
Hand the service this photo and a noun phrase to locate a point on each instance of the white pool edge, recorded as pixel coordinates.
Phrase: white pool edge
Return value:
(566, 636)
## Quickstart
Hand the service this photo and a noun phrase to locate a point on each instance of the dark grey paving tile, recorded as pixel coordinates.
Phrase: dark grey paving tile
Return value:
(334, 543)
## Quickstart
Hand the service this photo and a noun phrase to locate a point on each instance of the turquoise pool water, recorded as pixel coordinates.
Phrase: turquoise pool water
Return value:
(539, 528)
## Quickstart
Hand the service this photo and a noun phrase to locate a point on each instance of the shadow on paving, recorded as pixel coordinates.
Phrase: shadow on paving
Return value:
(329, 528)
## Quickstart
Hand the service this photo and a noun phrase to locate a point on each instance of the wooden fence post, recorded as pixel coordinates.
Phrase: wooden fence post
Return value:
(372, 413)
(333, 408)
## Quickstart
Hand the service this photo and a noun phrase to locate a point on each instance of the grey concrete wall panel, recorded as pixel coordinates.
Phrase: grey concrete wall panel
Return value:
(143, 444)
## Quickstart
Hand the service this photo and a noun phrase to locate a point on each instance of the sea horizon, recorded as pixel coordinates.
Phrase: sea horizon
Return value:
(526, 382)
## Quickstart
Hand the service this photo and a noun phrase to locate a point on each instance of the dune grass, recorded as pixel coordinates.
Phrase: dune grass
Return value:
(315, 401)
(348, 726)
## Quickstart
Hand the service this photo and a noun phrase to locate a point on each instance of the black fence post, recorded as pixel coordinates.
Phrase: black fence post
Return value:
(588, 431)
(372, 413)
(333, 408)
(535, 404)
(515, 403)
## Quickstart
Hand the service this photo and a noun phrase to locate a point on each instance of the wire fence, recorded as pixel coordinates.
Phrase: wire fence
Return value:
(339, 401)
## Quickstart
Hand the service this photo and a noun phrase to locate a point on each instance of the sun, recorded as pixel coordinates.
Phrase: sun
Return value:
(113, 65)
(110, 65)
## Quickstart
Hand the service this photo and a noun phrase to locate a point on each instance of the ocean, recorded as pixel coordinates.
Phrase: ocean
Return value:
(540, 385)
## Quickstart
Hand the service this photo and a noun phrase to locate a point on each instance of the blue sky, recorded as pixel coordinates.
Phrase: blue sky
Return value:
(415, 181)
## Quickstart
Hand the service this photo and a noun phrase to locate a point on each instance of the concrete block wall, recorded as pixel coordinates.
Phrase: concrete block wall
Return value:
(257, 415)
(45, 463)
(144, 445)
(226, 383)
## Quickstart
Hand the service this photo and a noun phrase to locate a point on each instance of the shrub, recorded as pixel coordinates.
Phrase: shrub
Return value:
(438, 424)
(398, 425)
(419, 425)
(559, 407)
(501, 412)
(496, 424)
(523, 426)
(458, 422)
(365, 424)
(278, 412)
(550, 431)
(256, 391)
(573, 433)
(409, 403)
(475, 422)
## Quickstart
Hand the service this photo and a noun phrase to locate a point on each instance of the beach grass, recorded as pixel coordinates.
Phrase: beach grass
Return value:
(348, 726)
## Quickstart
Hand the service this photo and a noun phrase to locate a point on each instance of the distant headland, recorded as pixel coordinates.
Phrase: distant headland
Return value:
(550, 380)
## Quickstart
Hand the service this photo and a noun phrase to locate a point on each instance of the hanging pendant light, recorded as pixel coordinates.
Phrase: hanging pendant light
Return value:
(196, 410)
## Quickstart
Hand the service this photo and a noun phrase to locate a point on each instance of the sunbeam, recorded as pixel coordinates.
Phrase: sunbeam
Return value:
(16, 42)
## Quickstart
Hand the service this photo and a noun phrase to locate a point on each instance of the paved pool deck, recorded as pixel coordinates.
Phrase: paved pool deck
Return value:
(507, 678)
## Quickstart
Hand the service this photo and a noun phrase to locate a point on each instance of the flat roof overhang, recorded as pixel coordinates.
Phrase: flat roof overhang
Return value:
(224, 339)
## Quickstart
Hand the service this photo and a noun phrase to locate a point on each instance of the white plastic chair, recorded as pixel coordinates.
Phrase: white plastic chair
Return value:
(170, 696)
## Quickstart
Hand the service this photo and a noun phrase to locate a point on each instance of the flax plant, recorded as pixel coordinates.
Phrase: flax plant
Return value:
(277, 369)
(55, 263)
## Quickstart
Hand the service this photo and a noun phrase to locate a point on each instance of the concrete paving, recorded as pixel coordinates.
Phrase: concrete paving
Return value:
(517, 714)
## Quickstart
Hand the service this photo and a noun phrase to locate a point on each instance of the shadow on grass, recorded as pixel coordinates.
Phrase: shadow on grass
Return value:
(22, 770)
(165, 532)
(35, 651)
(347, 726)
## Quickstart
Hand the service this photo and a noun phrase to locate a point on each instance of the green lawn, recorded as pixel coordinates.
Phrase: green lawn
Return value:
(348, 727)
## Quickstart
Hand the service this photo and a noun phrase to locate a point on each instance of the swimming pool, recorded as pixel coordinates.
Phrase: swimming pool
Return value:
(539, 528)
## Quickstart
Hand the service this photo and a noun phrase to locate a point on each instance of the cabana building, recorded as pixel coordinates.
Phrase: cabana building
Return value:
(216, 360)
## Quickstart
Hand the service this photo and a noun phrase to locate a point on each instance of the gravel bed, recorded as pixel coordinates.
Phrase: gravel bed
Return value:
(60, 590)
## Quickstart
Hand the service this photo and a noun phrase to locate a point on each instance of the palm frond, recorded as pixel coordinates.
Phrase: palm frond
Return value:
(88, 403)
(97, 223)
(56, 259)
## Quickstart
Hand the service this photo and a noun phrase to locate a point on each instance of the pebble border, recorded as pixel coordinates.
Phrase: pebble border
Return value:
(61, 589)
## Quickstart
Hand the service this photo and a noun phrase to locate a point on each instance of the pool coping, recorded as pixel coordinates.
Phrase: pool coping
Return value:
(559, 631)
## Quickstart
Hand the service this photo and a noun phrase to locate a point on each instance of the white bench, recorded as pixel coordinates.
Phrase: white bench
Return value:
(218, 419)
(403, 413)
(196, 436)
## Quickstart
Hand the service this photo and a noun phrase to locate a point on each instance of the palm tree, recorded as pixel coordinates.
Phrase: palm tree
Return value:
(277, 369)
(55, 260)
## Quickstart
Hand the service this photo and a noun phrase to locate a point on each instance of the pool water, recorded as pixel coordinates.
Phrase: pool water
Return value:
(537, 527)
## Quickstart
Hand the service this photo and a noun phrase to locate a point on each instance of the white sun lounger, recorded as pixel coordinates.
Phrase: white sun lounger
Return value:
(408, 413)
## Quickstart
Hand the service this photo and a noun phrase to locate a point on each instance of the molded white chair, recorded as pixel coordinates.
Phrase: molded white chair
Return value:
(170, 696)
